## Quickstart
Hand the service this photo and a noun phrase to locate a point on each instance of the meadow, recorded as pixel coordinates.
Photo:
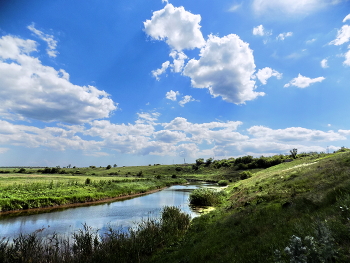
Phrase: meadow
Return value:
(273, 210)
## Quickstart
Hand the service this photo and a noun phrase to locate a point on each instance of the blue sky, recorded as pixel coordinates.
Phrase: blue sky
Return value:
(143, 82)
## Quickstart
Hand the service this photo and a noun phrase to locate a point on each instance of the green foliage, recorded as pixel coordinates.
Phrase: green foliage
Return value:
(108, 167)
(206, 197)
(199, 161)
(88, 181)
(245, 175)
(294, 153)
(89, 246)
(223, 183)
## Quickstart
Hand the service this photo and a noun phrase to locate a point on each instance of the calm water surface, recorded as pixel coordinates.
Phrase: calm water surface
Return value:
(119, 214)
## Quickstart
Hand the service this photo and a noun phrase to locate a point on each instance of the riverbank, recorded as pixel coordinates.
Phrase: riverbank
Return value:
(52, 195)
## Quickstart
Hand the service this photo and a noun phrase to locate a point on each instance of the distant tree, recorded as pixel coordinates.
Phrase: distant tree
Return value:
(208, 162)
(108, 167)
(294, 153)
(115, 165)
(199, 161)
(69, 166)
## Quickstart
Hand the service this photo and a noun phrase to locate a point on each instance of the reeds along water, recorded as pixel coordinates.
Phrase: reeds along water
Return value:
(89, 245)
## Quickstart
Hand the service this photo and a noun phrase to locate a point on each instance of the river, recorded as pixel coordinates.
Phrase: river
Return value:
(121, 214)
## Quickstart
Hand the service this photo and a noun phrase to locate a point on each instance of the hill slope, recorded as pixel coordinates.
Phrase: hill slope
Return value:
(297, 210)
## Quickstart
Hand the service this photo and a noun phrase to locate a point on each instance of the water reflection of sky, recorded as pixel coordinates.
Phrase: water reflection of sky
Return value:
(119, 214)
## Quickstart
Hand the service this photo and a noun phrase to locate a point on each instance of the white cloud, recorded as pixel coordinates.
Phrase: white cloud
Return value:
(324, 63)
(178, 60)
(294, 134)
(346, 18)
(343, 36)
(161, 70)
(186, 99)
(49, 39)
(264, 74)
(282, 36)
(31, 90)
(289, 7)
(258, 31)
(56, 138)
(310, 41)
(303, 82)
(235, 7)
(347, 59)
(225, 67)
(178, 27)
(171, 95)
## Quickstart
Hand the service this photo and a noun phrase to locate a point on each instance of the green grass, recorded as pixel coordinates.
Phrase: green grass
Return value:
(306, 199)
(36, 191)
(264, 212)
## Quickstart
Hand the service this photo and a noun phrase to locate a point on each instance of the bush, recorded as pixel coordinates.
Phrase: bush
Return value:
(206, 197)
(108, 167)
(88, 181)
(223, 182)
(245, 175)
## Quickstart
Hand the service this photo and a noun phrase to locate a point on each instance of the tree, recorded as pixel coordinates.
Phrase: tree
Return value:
(115, 165)
(294, 153)
(108, 167)
(208, 162)
(199, 161)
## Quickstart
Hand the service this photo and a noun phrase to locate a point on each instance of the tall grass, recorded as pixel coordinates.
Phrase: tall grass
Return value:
(45, 194)
(88, 245)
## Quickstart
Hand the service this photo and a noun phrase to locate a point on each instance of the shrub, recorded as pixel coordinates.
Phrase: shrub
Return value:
(108, 167)
(174, 176)
(206, 197)
(178, 169)
(245, 175)
(223, 182)
(88, 181)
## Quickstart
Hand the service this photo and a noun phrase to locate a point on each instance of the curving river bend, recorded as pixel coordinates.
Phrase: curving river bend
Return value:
(118, 214)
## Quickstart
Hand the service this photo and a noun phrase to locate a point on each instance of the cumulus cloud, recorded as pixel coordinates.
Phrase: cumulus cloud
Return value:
(56, 138)
(178, 60)
(258, 31)
(343, 36)
(346, 18)
(324, 63)
(264, 74)
(294, 134)
(282, 36)
(171, 95)
(28, 89)
(288, 6)
(156, 73)
(303, 82)
(49, 39)
(179, 28)
(226, 66)
(186, 99)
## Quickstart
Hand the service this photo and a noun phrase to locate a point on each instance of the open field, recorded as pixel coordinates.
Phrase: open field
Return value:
(296, 211)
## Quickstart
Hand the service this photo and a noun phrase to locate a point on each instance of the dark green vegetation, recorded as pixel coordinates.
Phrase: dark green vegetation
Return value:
(294, 211)
(88, 245)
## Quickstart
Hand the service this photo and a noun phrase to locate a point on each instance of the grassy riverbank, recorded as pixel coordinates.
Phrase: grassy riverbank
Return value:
(295, 211)
(19, 192)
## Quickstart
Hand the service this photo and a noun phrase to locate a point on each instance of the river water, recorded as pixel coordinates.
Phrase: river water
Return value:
(118, 214)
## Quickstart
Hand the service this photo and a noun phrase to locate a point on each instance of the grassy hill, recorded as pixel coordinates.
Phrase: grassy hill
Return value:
(293, 211)
(297, 210)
